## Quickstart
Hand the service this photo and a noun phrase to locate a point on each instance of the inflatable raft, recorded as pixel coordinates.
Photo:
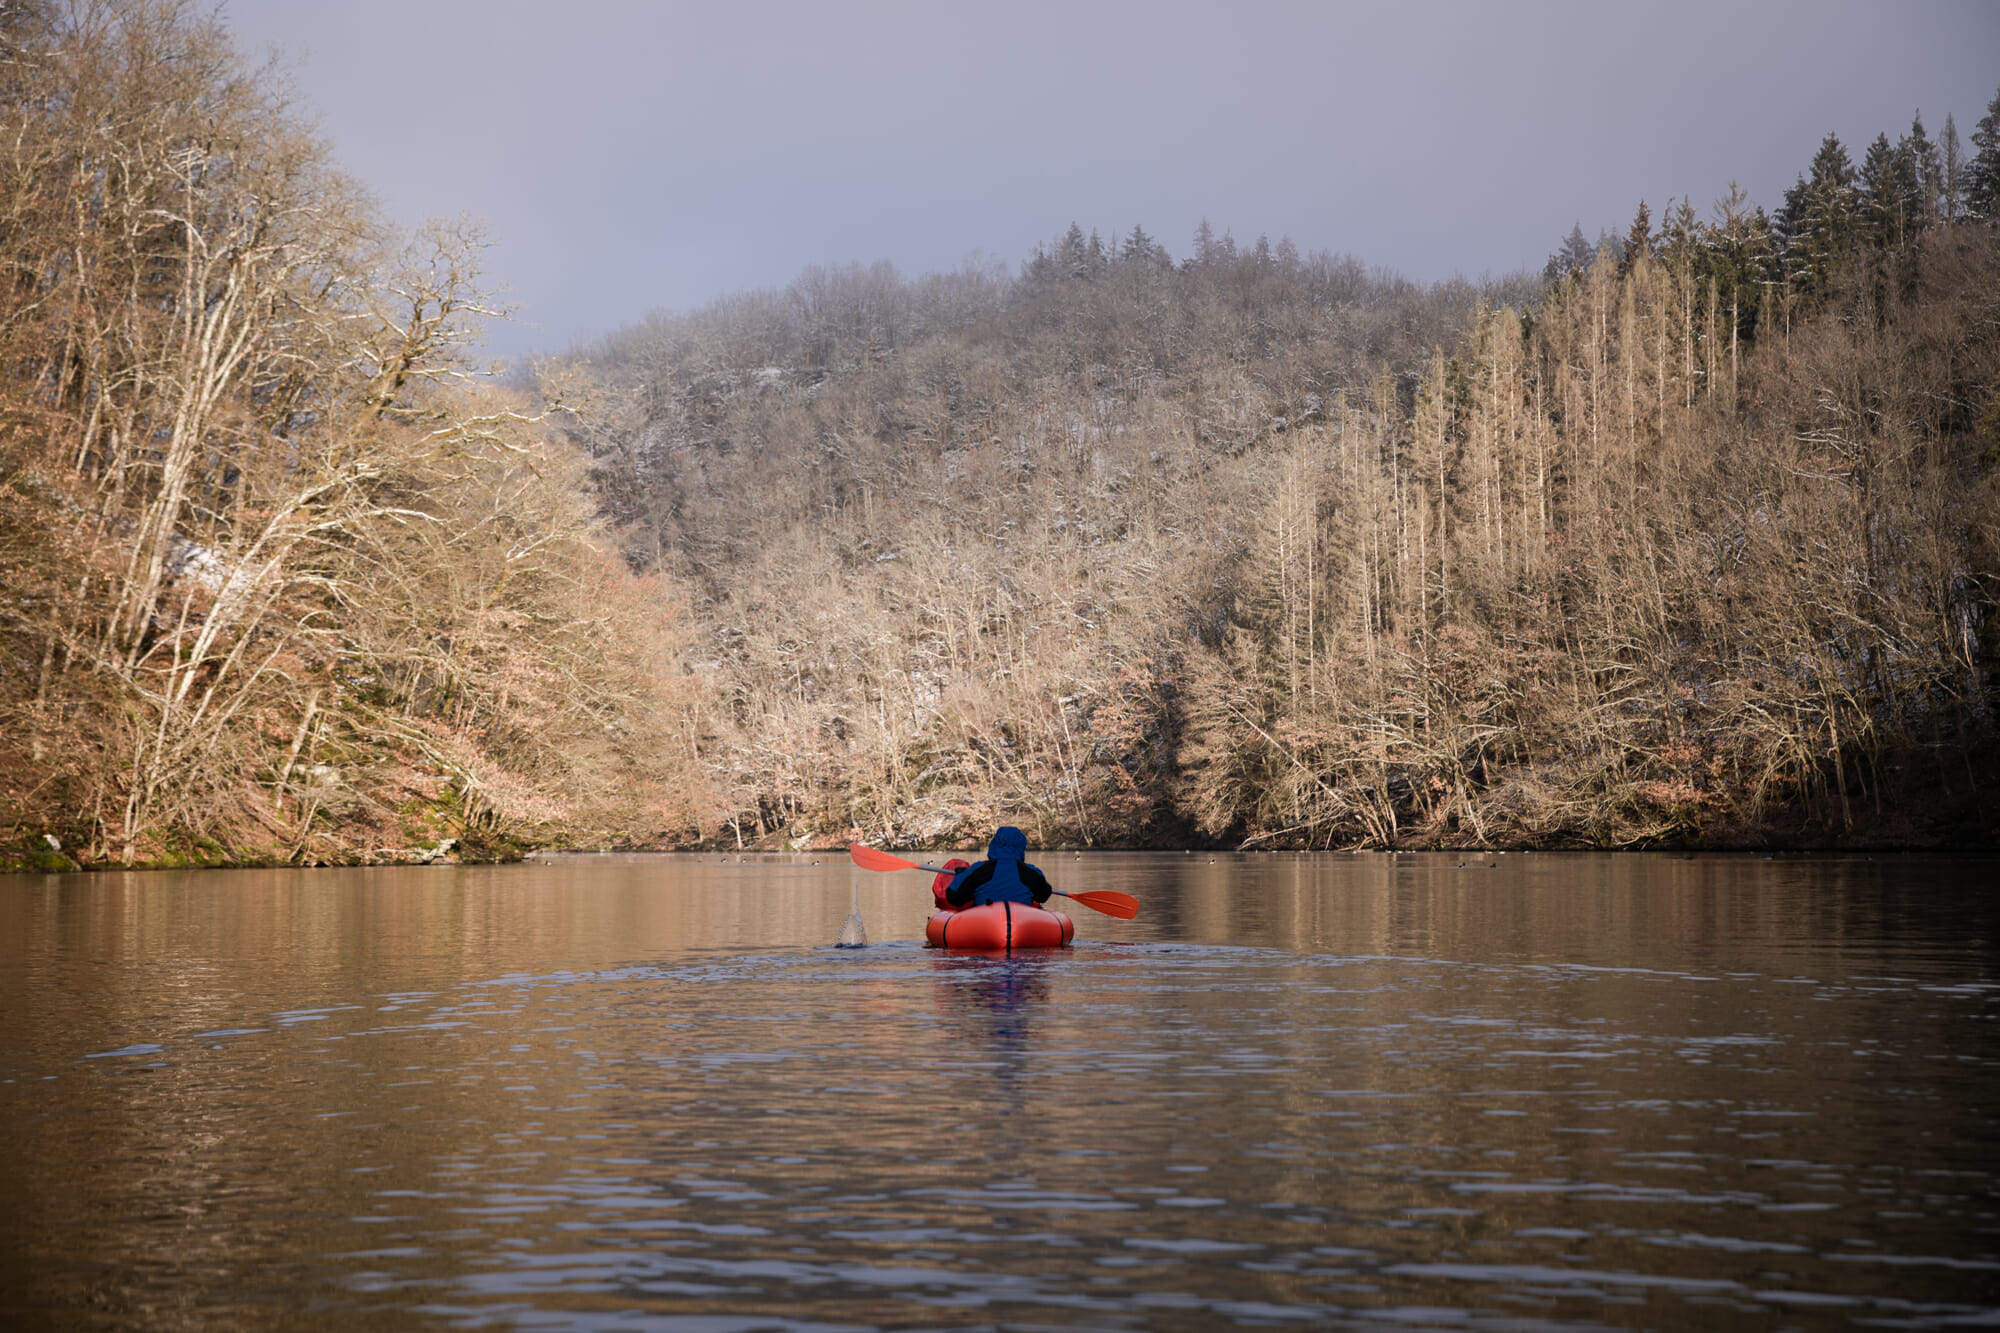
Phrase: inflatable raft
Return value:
(999, 926)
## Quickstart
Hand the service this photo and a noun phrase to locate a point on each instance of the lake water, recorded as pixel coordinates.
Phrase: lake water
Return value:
(610, 1093)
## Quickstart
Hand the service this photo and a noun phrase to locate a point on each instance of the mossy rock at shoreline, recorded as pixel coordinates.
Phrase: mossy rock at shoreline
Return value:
(33, 855)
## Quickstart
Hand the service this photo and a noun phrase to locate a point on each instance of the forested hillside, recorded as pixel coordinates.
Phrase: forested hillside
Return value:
(1690, 538)
(281, 581)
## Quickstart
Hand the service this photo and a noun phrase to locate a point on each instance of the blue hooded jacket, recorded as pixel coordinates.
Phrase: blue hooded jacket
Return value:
(1003, 877)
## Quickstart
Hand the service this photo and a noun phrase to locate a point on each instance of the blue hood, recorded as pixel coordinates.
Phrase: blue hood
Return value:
(1009, 844)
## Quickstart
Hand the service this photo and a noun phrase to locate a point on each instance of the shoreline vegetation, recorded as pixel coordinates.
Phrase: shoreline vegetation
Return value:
(1690, 540)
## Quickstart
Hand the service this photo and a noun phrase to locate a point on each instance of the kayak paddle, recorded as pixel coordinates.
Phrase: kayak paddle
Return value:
(1121, 905)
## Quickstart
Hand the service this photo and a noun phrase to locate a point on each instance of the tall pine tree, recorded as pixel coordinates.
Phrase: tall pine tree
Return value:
(1737, 252)
(1638, 239)
(1982, 173)
(1926, 168)
(1073, 254)
(1574, 256)
(1886, 195)
(1952, 198)
(1816, 225)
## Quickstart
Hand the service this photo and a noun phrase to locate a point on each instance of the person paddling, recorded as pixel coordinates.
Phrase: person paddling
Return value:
(1003, 877)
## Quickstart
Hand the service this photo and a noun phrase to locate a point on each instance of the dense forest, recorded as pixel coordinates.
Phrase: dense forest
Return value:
(1687, 539)
(284, 580)
(1690, 540)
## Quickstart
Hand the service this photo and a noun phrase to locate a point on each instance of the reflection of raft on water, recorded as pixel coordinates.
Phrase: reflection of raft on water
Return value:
(999, 926)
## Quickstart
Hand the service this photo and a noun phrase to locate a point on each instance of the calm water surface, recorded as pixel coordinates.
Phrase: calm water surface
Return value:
(1326, 1091)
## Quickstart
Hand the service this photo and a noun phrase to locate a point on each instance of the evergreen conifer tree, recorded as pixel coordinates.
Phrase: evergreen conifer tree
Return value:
(1816, 225)
(1573, 256)
(1095, 258)
(1925, 165)
(1982, 173)
(1952, 195)
(1073, 253)
(1680, 240)
(1881, 214)
(1638, 238)
(1206, 250)
(1040, 270)
(1737, 250)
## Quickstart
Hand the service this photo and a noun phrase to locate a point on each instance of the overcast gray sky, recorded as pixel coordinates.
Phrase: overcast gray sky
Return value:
(633, 156)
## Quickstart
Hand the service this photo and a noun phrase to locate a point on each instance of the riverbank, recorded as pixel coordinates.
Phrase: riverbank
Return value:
(1964, 824)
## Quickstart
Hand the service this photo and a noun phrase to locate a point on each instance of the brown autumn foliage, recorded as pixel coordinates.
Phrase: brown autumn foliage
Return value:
(1619, 605)
(1134, 553)
(283, 582)
(1691, 541)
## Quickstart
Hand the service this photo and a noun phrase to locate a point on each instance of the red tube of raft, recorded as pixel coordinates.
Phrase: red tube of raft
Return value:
(999, 926)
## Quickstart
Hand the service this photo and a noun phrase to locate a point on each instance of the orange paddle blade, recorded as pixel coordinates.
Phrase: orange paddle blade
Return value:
(1121, 905)
(868, 858)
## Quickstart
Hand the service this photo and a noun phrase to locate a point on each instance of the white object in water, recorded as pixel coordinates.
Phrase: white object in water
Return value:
(853, 934)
